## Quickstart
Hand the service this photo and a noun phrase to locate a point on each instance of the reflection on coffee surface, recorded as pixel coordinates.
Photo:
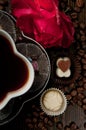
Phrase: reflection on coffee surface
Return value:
(13, 70)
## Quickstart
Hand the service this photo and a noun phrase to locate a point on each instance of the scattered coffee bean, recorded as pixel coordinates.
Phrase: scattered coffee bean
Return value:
(35, 114)
(44, 128)
(80, 3)
(40, 124)
(46, 120)
(69, 97)
(83, 38)
(73, 93)
(72, 85)
(81, 52)
(36, 126)
(50, 123)
(84, 67)
(67, 127)
(84, 107)
(56, 119)
(73, 126)
(80, 95)
(76, 26)
(42, 113)
(82, 32)
(84, 60)
(30, 126)
(85, 86)
(84, 80)
(79, 103)
(77, 9)
(60, 125)
(82, 25)
(79, 89)
(80, 83)
(34, 120)
(74, 15)
(84, 100)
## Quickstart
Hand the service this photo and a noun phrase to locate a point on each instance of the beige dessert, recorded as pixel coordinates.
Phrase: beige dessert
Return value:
(63, 67)
(53, 102)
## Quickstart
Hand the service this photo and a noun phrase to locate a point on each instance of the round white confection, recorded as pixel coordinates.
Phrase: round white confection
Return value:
(53, 100)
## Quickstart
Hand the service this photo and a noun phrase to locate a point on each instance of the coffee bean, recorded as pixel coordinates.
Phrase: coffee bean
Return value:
(82, 25)
(40, 124)
(84, 60)
(79, 89)
(42, 113)
(46, 120)
(66, 127)
(55, 119)
(73, 93)
(3, 2)
(84, 67)
(84, 107)
(84, 100)
(73, 126)
(77, 9)
(85, 55)
(85, 86)
(50, 123)
(60, 125)
(78, 37)
(81, 52)
(82, 32)
(44, 128)
(80, 83)
(69, 97)
(84, 80)
(79, 3)
(42, 117)
(66, 89)
(83, 38)
(30, 125)
(75, 99)
(74, 15)
(35, 114)
(34, 120)
(80, 95)
(72, 85)
(79, 103)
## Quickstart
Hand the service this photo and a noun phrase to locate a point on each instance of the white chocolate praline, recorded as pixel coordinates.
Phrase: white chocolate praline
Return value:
(52, 100)
(61, 74)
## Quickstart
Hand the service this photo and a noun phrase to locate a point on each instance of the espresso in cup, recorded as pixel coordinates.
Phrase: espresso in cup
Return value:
(16, 72)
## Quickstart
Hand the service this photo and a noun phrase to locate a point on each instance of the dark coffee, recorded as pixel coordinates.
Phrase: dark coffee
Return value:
(13, 70)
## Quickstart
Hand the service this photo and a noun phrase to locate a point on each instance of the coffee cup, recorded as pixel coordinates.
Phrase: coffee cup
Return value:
(16, 71)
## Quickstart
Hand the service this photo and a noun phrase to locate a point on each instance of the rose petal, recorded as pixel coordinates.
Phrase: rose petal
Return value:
(42, 21)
